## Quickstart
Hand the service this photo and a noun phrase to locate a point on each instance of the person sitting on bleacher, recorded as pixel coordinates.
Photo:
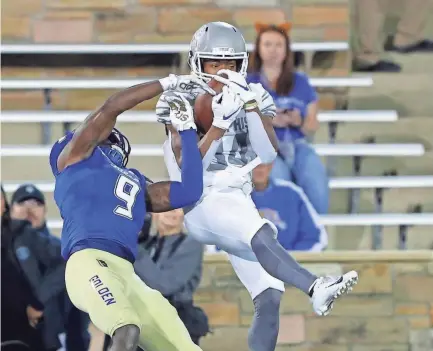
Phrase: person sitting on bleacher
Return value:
(285, 205)
(44, 267)
(296, 119)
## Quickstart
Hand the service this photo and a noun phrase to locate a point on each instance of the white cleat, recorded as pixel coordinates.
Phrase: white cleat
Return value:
(328, 289)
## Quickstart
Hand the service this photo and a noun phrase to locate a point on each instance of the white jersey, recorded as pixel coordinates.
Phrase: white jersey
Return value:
(235, 150)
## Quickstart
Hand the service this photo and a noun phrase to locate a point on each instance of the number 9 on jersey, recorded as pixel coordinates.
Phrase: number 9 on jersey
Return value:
(125, 190)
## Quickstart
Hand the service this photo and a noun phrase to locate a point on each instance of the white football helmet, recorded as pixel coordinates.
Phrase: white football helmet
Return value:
(217, 40)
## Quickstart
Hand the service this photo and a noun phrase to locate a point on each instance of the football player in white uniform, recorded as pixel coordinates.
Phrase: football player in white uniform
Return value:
(226, 216)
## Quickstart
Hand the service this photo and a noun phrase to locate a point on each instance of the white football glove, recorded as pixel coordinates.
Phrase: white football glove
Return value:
(225, 107)
(258, 89)
(185, 84)
(238, 84)
(181, 114)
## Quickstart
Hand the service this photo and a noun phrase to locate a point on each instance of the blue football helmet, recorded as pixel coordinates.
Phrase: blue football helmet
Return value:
(117, 148)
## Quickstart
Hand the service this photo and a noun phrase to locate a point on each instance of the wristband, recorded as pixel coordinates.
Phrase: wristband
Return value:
(165, 83)
(250, 105)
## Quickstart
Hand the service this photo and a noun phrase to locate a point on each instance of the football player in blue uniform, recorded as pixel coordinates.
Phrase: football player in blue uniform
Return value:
(103, 204)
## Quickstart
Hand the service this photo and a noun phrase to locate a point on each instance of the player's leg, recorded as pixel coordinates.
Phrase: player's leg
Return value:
(224, 219)
(162, 329)
(280, 264)
(266, 292)
(97, 283)
(125, 338)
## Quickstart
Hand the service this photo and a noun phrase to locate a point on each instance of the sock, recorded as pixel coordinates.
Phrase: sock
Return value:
(278, 262)
(263, 333)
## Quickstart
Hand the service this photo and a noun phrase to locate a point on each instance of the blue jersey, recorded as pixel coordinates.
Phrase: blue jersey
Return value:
(287, 206)
(102, 205)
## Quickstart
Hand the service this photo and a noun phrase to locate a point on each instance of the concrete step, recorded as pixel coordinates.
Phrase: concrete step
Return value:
(28, 133)
(360, 238)
(31, 133)
(396, 200)
(412, 63)
(407, 93)
(404, 130)
(376, 166)
(30, 168)
(88, 100)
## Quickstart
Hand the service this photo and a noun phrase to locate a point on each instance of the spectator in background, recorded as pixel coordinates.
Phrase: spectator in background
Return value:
(286, 205)
(171, 262)
(409, 37)
(21, 311)
(296, 119)
(44, 268)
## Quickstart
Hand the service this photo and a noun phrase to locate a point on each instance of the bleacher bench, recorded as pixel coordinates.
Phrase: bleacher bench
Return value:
(354, 220)
(334, 183)
(22, 84)
(149, 116)
(145, 48)
(321, 149)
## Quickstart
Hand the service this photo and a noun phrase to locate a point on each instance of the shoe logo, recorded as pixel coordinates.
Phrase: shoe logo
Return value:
(336, 282)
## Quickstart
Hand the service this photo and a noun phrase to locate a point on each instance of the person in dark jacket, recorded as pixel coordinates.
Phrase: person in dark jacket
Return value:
(46, 273)
(171, 262)
(21, 312)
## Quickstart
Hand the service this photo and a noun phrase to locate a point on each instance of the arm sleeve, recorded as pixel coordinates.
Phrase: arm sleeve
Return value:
(312, 234)
(190, 189)
(259, 139)
(57, 149)
(170, 276)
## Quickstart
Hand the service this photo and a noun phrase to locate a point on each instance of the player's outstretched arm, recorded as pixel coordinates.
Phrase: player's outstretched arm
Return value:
(168, 195)
(98, 125)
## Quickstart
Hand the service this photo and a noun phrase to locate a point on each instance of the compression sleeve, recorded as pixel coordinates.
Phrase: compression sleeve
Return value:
(260, 142)
(190, 189)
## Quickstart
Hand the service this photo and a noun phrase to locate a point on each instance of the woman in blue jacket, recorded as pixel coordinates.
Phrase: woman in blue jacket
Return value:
(296, 120)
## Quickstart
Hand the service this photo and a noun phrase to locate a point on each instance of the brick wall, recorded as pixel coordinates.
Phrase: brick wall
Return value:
(147, 21)
(391, 309)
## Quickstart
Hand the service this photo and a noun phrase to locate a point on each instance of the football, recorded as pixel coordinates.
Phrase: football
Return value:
(203, 113)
